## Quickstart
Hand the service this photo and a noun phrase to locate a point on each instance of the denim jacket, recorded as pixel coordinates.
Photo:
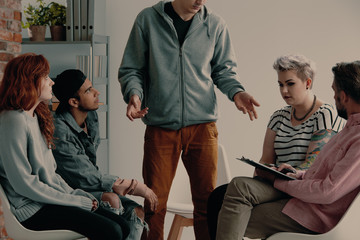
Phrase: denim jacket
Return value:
(75, 154)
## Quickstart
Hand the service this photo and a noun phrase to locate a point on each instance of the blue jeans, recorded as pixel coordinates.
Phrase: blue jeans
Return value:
(127, 210)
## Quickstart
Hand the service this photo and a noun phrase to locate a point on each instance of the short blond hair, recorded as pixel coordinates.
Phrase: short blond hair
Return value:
(304, 67)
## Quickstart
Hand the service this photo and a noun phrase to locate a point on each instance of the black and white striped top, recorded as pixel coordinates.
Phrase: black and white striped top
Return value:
(291, 142)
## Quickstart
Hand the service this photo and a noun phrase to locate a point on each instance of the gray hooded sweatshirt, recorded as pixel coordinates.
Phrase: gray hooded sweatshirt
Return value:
(176, 82)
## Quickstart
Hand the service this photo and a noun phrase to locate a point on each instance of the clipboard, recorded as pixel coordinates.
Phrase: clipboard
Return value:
(266, 168)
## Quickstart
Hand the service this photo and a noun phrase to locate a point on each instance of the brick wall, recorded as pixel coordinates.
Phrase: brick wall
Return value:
(10, 31)
(10, 46)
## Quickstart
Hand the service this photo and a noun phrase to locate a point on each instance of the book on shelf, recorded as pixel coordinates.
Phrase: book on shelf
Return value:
(91, 17)
(77, 20)
(100, 64)
(69, 21)
(80, 15)
(84, 19)
(94, 70)
(83, 63)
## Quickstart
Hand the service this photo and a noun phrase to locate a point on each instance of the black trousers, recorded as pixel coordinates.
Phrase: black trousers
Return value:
(101, 224)
(215, 202)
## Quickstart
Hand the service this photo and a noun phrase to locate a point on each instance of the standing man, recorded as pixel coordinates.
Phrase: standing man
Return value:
(76, 140)
(176, 54)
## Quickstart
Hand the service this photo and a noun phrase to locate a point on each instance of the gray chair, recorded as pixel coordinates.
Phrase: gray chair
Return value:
(346, 229)
(16, 231)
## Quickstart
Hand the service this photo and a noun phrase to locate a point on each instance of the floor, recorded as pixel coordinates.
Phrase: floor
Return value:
(188, 232)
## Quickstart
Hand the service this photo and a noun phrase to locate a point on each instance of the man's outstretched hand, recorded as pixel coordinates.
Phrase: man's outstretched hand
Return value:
(246, 103)
(133, 110)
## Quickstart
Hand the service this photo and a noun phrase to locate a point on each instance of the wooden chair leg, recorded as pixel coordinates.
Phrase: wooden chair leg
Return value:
(178, 225)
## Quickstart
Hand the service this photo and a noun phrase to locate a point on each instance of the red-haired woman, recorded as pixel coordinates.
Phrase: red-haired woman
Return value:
(40, 199)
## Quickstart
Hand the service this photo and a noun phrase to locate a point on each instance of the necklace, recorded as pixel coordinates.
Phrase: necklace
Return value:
(302, 118)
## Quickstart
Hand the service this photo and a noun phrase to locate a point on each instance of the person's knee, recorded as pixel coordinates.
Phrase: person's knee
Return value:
(140, 213)
(112, 199)
(237, 186)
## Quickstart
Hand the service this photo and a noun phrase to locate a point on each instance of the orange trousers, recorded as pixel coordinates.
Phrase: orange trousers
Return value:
(197, 145)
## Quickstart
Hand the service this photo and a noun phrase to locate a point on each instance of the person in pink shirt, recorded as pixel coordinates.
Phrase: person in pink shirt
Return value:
(319, 196)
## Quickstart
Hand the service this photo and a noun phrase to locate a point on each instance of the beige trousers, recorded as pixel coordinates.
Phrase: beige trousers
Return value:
(253, 208)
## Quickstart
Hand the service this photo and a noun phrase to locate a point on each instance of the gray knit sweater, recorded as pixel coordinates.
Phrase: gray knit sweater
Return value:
(27, 168)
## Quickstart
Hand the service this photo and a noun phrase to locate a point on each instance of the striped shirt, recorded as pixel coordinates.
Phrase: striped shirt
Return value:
(291, 142)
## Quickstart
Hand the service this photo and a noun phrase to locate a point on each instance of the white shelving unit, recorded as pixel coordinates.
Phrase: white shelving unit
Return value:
(64, 55)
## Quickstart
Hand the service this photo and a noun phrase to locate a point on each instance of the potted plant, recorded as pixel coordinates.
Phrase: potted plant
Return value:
(57, 19)
(37, 20)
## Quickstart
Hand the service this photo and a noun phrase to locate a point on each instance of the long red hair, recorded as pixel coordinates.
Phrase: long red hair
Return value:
(20, 89)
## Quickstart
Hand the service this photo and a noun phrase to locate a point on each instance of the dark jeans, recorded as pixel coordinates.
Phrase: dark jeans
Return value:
(101, 224)
(215, 202)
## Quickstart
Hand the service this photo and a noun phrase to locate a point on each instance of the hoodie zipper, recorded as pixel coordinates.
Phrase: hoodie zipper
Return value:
(182, 86)
(181, 83)
(182, 80)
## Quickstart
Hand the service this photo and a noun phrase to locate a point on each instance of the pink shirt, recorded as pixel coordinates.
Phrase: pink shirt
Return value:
(330, 185)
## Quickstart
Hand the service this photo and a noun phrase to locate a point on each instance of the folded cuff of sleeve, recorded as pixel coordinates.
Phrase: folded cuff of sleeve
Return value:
(108, 182)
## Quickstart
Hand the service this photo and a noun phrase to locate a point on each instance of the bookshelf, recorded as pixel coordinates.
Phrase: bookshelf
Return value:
(92, 57)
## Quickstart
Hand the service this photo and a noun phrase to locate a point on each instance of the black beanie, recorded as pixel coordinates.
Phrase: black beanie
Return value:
(67, 84)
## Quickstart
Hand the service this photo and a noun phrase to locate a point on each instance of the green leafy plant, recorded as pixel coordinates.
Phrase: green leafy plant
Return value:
(36, 15)
(56, 14)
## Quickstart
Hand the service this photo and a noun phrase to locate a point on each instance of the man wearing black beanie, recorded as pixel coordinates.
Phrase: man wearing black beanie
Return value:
(76, 141)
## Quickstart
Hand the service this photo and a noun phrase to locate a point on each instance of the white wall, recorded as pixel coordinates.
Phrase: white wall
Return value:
(326, 31)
